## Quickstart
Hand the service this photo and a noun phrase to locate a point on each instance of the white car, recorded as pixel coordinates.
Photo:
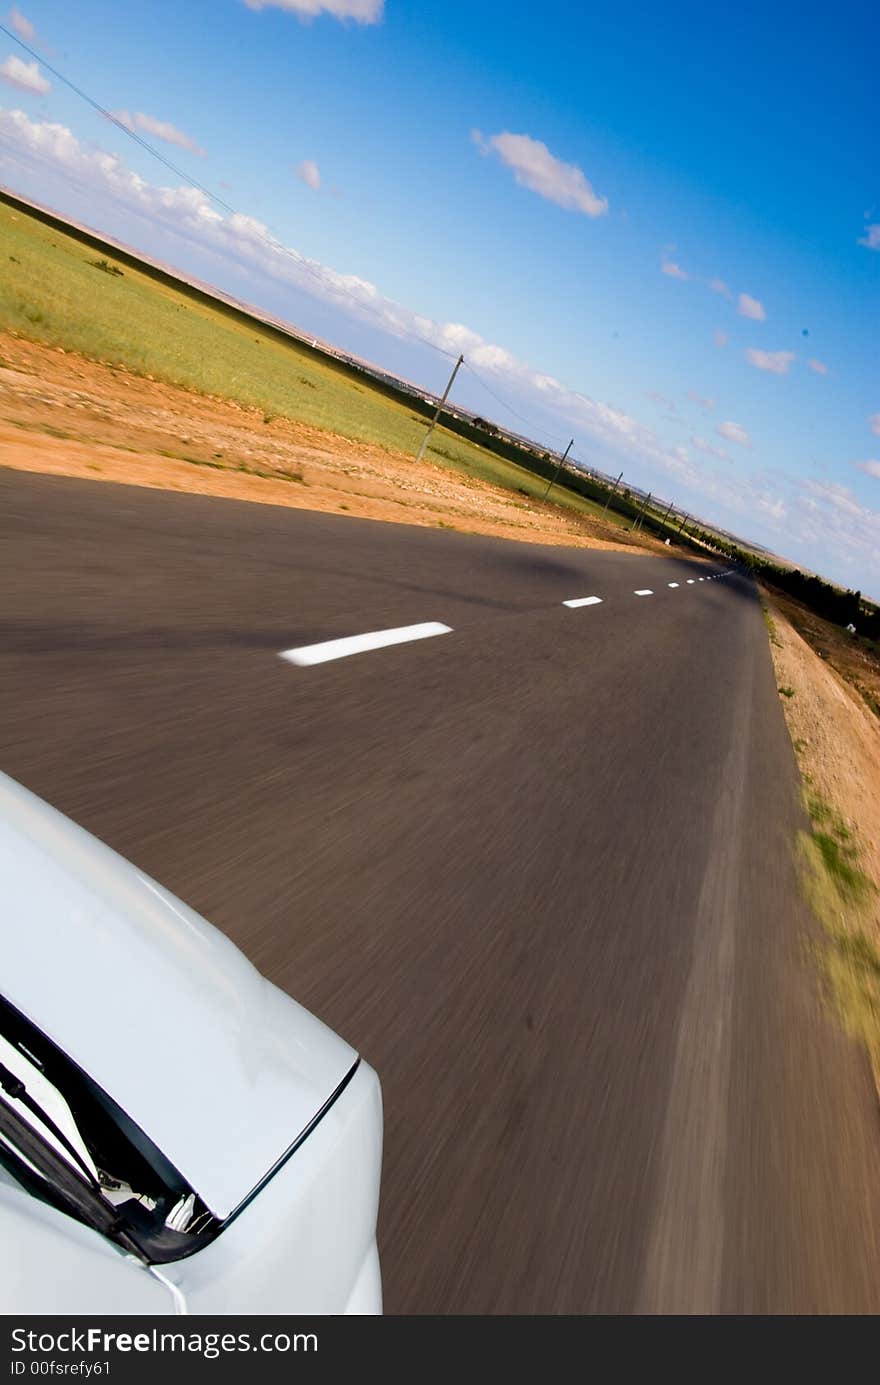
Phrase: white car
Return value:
(176, 1134)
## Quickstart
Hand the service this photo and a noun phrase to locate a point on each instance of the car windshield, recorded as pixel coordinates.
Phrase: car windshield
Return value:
(64, 1140)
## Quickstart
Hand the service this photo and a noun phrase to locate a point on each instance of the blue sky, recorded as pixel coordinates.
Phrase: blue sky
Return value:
(647, 226)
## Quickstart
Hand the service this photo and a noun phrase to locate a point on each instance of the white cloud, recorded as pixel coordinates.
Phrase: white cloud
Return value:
(707, 404)
(455, 336)
(534, 167)
(309, 173)
(747, 306)
(719, 286)
(851, 540)
(674, 270)
(734, 432)
(249, 243)
(22, 26)
(819, 367)
(871, 238)
(160, 129)
(777, 362)
(25, 76)
(773, 506)
(828, 514)
(361, 11)
(839, 497)
(491, 357)
(872, 468)
(874, 424)
(710, 450)
(720, 338)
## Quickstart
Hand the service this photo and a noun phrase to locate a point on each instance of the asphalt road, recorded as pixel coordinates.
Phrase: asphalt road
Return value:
(538, 870)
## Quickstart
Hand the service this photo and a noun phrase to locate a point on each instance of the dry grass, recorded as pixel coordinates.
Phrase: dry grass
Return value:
(837, 743)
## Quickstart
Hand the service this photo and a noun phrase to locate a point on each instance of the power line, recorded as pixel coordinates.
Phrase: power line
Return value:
(505, 404)
(270, 242)
(274, 245)
(581, 462)
(114, 120)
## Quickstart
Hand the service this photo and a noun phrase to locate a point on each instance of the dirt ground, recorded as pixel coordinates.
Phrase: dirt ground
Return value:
(63, 414)
(835, 734)
(856, 660)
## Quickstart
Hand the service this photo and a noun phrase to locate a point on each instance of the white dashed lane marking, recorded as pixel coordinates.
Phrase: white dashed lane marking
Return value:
(310, 654)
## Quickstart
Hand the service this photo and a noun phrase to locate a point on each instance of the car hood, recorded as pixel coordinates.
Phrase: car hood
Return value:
(218, 1067)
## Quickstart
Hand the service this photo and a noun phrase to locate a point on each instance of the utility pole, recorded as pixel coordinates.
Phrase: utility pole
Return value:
(666, 516)
(421, 452)
(641, 515)
(610, 493)
(552, 482)
(683, 523)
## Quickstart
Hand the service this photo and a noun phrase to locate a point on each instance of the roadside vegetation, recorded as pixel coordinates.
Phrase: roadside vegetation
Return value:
(840, 893)
(837, 747)
(828, 603)
(771, 624)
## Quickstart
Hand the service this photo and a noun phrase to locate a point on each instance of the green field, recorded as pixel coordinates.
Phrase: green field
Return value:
(58, 290)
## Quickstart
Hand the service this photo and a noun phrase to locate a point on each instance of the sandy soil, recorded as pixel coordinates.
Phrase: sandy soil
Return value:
(836, 736)
(852, 658)
(65, 415)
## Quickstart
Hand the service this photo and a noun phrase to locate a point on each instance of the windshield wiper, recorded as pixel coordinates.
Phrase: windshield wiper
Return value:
(67, 1189)
(14, 1087)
